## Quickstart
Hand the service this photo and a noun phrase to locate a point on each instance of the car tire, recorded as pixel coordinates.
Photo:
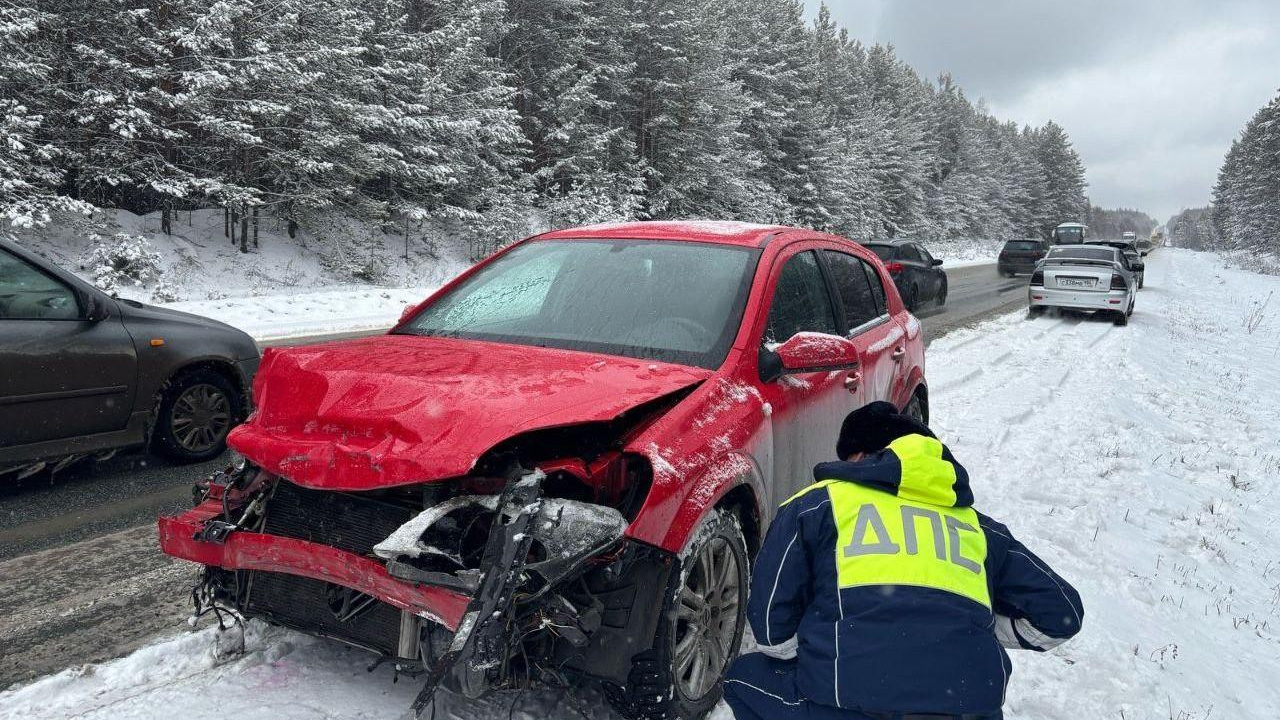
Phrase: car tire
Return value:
(197, 409)
(1142, 280)
(942, 293)
(1121, 318)
(913, 300)
(1035, 312)
(663, 683)
(917, 409)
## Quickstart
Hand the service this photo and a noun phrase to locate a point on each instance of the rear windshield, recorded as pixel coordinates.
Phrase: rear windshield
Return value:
(884, 252)
(1082, 252)
(1023, 245)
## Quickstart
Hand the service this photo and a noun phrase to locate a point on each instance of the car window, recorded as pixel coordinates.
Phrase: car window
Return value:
(1024, 245)
(28, 294)
(884, 252)
(924, 254)
(800, 301)
(909, 253)
(877, 288)
(854, 289)
(1082, 252)
(659, 300)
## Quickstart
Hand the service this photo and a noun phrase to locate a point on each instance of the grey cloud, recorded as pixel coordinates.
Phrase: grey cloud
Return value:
(1151, 91)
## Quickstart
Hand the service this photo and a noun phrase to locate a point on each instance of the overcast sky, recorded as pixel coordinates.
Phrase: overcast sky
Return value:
(1152, 92)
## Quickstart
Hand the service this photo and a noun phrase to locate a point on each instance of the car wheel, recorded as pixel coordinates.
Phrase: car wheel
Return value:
(917, 410)
(913, 299)
(1142, 280)
(1035, 312)
(942, 293)
(197, 410)
(1121, 318)
(682, 677)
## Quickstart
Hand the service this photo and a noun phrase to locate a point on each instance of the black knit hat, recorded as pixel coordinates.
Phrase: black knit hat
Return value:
(872, 427)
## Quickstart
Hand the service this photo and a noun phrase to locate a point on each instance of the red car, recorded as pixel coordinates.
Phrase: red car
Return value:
(557, 467)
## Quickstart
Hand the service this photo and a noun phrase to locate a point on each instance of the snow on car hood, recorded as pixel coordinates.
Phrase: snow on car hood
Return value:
(400, 409)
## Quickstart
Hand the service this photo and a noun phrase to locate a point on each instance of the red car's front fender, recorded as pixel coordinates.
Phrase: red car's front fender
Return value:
(242, 550)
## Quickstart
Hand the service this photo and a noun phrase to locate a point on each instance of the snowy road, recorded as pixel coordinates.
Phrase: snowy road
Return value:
(1158, 505)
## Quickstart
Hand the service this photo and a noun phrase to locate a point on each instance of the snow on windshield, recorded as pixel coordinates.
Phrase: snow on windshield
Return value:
(659, 300)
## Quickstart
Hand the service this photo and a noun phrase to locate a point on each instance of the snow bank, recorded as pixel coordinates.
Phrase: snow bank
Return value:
(268, 317)
(1140, 461)
(335, 276)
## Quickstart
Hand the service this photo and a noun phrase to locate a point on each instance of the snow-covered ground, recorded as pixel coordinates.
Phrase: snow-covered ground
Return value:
(967, 251)
(1140, 461)
(336, 275)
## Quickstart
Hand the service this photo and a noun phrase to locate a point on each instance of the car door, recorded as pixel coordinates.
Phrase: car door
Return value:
(807, 408)
(932, 270)
(916, 273)
(866, 321)
(61, 374)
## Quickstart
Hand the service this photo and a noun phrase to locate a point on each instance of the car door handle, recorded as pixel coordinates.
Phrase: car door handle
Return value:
(853, 381)
(898, 352)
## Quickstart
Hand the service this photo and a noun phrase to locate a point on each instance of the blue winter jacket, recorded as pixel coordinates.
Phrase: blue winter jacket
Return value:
(896, 594)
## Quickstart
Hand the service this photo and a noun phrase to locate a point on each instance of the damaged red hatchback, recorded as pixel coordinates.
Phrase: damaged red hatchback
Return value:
(557, 467)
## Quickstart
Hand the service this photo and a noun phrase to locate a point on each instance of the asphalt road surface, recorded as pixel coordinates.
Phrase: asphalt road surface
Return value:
(81, 577)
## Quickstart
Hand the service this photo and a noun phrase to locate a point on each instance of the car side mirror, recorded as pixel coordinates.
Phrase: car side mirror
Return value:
(937, 262)
(1139, 266)
(95, 310)
(808, 352)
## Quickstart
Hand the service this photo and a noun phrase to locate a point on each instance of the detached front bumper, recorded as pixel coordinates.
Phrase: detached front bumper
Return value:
(185, 536)
(1039, 296)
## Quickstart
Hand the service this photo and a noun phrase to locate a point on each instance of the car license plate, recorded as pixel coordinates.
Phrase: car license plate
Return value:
(1076, 282)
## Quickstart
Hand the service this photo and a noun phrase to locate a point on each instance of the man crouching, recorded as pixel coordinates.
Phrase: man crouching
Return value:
(881, 593)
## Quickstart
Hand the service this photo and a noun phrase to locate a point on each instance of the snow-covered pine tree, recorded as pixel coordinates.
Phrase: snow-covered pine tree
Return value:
(31, 168)
(688, 112)
(571, 67)
(1063, 199)
(1247, 195)
(902, 149)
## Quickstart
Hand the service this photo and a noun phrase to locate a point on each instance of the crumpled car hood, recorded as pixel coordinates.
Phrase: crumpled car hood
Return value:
(400, 409)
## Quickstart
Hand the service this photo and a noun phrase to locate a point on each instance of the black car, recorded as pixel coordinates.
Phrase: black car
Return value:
(916, 273)
(1131, 253)
(1020, 256)
(83, 374)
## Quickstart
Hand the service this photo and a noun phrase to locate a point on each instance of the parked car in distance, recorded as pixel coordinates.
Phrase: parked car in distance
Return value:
(1131, 254)
(1084, 277)
(1020, 256)
(918, 276)
(562, 459)
(84, 375)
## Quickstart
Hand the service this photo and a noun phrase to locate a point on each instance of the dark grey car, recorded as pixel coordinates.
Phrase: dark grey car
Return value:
(83, 374)
(918, 275)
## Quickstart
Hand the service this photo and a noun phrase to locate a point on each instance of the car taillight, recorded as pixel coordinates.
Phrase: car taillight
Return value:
(1117, 283)
(894, 268)
(1037, 277)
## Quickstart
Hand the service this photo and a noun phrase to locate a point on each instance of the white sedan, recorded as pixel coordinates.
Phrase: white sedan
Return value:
(1084, 277)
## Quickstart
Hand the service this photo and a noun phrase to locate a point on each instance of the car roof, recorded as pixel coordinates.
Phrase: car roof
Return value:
(1071, 224)
(713, 231)
(893, 243)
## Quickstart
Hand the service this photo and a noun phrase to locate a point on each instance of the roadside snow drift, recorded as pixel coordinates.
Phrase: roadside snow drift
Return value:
(1141, 462)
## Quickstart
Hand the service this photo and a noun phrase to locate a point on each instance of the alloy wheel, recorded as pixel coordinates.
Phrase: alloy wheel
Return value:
(706, 619)
(200, 418)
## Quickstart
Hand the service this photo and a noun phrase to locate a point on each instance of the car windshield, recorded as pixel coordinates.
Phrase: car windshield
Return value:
(1022, 245)
(669, 301)
(884, 252)
(1103, 254)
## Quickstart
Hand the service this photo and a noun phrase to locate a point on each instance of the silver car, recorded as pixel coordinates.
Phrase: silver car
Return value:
(1084, 277)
